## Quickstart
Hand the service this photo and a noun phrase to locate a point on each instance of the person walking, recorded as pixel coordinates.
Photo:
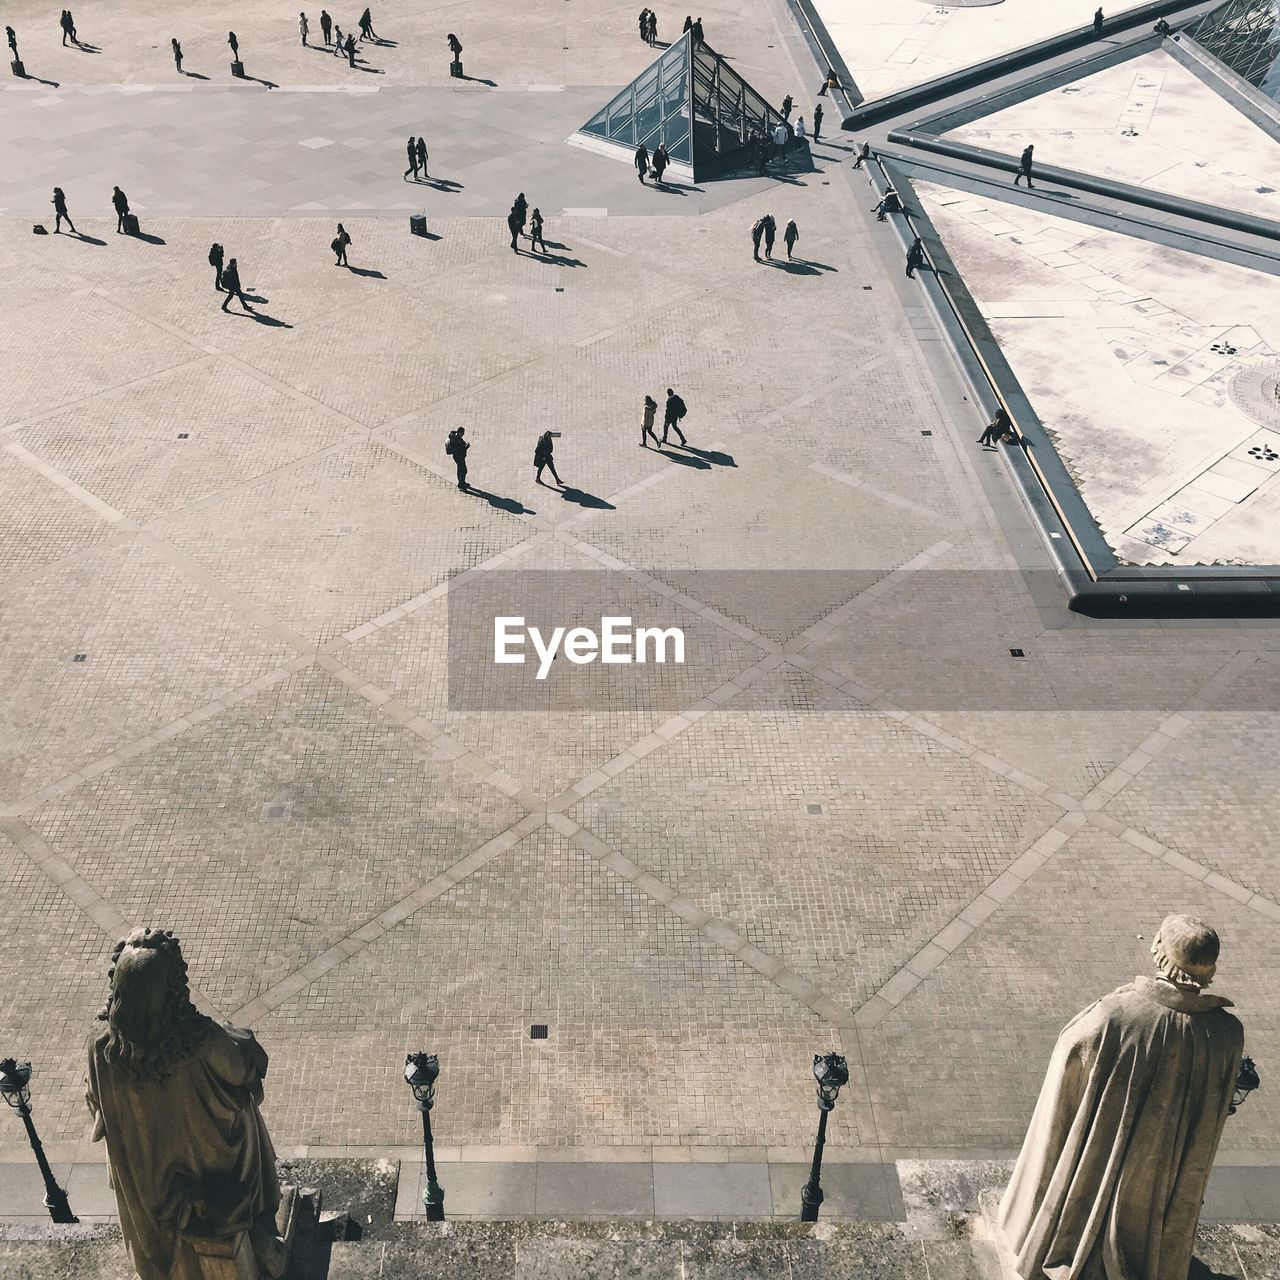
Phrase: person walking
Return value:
(215, 261)
(1024, 167)
(672, 417)
(757, 234)
(235, 46)
(864, 154)
(995, 429)
(644, 24)
(688, 23)
(790, 234)
(889, 203)
(351, 52)
(337, 41)
(641, 161)
(71, 22)
(411, 150)
(366, 26)
(787, 104)
(456, 447)
(326, 25)
(339, 246)
(11, 36)
(660, 162)
(422, 157)
(653, 27)
(781, 135)
(1097, 24)
(120, 203)
(817, 121)
(68, 27)
(521, 207)
(770, 231)
(535, 232)
(543, 457)
(60, 212)
(646, 424)
(915, 258)
(303, 28)
(514, 223)
(696, 29)
(231, 283)
(177, 53)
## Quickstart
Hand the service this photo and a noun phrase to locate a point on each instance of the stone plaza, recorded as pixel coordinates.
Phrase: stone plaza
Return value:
(905, 805)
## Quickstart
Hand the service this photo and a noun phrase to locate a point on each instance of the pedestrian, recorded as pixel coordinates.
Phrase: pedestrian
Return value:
(119, 202)
(1024, 166)
(215, 261)
(660, 162)
(641, 161)
(422, 157)
(1097, 23)
(889, 203)
(786, 107)
(67, 27)
(235, 46)
(688, 23)
(60, 212)
(646, 423)
(770, 230)
(915, 258)
(366, 26)
(653, 27)
(790, 235)
(996, 428)
(231, 283)
(671, 419)
(697, 30)
(351, 51)
(864, 154)
(177, 53)
(521, 208)
(71, 22)
(411, 150)
(339, 245)
(644, 24)
(542, 457)
(303, 28)
(760, 145)
(326, 25)
(781, 136)
(757, 234)
(337, 41)
(831, 82)
(455, 47)
(456, 447)
(801, 131)
(514, 223)
(11, 36)
(817, 121)
(535, 231)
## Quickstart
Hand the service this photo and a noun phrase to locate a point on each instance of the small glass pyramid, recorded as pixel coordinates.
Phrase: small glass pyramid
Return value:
(1245, 34)
(655, 108)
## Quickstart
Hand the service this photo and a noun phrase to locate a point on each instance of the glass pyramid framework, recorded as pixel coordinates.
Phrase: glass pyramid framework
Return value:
(691, 100)
(1245, 34)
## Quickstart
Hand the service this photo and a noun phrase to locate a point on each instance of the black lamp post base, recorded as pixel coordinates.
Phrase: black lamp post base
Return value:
(810, 1200)
(433, 1202)
(60, 1209)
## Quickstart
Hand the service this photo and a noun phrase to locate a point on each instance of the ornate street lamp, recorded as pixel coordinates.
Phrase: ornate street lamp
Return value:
(831, 1073)
(15, 1085)
(1247, 1080)
(420, 1073)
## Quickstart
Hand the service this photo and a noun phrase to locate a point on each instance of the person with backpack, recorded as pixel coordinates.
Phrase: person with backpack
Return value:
(673, 416)
(542, 457)
(120, 203)
(231, 283)
(456, 447)
(339, 246)
(646, 424)
(60, 212)
(215, 261)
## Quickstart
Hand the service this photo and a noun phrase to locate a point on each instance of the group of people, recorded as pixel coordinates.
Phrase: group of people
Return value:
(694, 25)
(765, 229)
(516, 221)
(416, 150)
(328, 27)
(654, 165)
(457, 446)
(226, 278)
(68, 25)
(648, 26)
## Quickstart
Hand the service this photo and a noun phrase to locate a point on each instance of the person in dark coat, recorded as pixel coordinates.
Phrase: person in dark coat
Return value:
(326, 26)
(339, 246)
(646, 423)
(864, 154)
(641, 161)
(889, 203)
(12, 37)
(455, 47)
(456, 447)
(672, 416)
(177, 53)
(787, 104)
(520, 206)
(60, 212)
(351, 51)
(915, 258)
(757, 234)
(697, 30)
(817, 121)
(231, 283)
(535, 232)
(120, 203)
(543, 459)
(411, 150)
(790, 234)
(235, 46)
(1097, 23)
(688, 23)
(514, 224)
(995, 429)
(1024, 167)
(653, 27)
(422, 156)
(831, 82)
(366, 26)
(68, 27)
(770, 231)
(216, 258)
(644, 25)
(660, 162)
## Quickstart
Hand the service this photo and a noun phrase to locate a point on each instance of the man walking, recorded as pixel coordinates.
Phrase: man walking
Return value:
(787, 104)
(366, 26)
(12, 37)
(514, 223)
(303, 28)
(411, 150)
(660, 162)
(757, 234)
(1097, 24)
(995, 429)
(215, 261)
(68, 27)
(1024, 167)
(326, 25)
(675, 411)
(641, 161)
(535, 232)
(120, 203)
(422, 157)
(339, 246)
(60, 212)
(915, 258)
(337, 41)
(456, 447)
(351, 52)
(817, 121)
(231, 283)
(770, 230)
(543, 457)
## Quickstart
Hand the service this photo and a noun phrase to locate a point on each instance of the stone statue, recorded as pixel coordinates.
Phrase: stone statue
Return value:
(1114, 1166)
(176, 1097)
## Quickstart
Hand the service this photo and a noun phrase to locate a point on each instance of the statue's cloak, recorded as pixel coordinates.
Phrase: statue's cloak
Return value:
(1113, 1169)
(189, 1152)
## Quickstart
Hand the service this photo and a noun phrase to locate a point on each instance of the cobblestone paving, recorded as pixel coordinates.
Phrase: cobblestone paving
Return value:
(227, 553)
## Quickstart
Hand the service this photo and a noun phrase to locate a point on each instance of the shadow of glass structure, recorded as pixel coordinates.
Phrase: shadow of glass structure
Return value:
(692, 101)
(1245, 35)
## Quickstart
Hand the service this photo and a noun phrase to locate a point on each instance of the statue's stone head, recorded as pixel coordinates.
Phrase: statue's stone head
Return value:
(1186, 951)
(152, 1024)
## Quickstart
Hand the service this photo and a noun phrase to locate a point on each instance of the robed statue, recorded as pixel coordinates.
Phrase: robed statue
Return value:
(1114, 1166)
(176, 1095)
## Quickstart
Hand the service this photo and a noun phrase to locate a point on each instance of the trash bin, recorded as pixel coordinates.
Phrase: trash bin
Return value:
(21, 72)
(237, 70)
(418, 224)
(455, 68)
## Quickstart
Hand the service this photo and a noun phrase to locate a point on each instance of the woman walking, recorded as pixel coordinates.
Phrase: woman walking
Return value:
(339, 246)
(535, 231)
(790, 235)
(542, 457)
(646, 426)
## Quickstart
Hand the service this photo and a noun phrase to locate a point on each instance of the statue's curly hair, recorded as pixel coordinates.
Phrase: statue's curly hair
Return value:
(151, 1032)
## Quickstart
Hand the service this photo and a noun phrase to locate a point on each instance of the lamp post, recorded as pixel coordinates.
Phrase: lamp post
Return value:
(1247, 1080)
(420, 1073)
(831, 1073)
(15, 1085)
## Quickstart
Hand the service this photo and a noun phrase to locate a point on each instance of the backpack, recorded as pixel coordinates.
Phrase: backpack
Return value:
(449, 445)
(680, 408)
(215, 255)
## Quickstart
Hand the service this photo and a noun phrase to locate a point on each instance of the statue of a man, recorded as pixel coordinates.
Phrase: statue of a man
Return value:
(176, 1097)
(1114, 1166)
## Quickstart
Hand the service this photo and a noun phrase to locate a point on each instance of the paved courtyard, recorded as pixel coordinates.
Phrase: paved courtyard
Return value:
(904, 806)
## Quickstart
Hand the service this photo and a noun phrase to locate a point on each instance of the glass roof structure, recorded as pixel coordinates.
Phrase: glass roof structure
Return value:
(691, 100)
(1245, 34)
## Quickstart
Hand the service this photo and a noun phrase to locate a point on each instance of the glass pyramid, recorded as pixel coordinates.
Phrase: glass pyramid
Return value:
(1245, 34)
(691, 100)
